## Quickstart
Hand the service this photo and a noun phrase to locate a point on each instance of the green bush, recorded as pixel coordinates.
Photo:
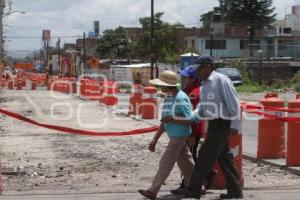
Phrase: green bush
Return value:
(242, 67)
(252, 88)
(296, 78)
(297, 87)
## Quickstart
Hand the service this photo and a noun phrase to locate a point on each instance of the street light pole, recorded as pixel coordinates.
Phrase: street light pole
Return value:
(2, 5)
(83, 48)
(211, 40)
(151, 40)
(260, 66)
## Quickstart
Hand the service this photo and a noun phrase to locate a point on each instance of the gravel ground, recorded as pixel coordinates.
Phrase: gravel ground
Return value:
(48, 160)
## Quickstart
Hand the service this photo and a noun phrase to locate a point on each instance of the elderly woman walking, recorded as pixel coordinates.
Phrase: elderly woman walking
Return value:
(176, 106)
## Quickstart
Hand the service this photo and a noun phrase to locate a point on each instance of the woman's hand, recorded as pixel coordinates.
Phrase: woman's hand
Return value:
(152, 145)
(191, 141)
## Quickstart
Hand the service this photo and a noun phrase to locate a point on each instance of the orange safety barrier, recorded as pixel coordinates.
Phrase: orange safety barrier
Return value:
(236, 148)
(93, 90)
(293, 136)
(135, 100)
(89, 89)
(11, 84)
(110, 90)
(82, 88)
(271, 138)
(33, 84)
(24, 82)
(19, 84)
(235, 143)
(149, 103)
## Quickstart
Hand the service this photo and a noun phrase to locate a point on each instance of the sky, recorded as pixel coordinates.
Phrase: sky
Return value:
(70, 18)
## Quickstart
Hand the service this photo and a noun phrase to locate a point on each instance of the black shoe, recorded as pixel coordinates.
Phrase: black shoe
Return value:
(188, 194)
(177, 191)
(231, 196)
(210, 179)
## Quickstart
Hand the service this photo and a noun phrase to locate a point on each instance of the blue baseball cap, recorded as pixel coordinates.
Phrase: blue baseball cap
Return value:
(189, 71)
(205, 59)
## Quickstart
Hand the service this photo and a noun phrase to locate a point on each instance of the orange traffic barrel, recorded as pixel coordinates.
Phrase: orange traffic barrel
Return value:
(101, 89)
(19, 84)
(10, 84)
(94, 90)
(149, 107)
(33, 84)
(271, 132)
(236, 148)
(109, 96)
(293, 136)
(135, 100)
(24, 82)
(82, 88)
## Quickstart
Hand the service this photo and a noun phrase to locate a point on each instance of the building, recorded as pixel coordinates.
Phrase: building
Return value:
(281, 40)
(293, 20)
(90, 46)
(226, 41)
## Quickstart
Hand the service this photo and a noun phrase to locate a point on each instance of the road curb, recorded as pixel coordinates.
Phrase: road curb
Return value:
(266, 162)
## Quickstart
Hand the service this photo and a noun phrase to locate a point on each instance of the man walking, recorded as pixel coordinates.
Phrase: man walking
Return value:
(220, 107)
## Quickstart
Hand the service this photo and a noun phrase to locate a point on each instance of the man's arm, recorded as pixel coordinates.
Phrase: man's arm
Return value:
(232, 104)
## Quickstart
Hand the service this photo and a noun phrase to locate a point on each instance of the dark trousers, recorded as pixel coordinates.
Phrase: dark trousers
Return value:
(216, 148)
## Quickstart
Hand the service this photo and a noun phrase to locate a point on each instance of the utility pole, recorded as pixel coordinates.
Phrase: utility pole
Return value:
(2, 5)
(211, 40)
(151, 40)
(294, 40)
(83, 49)
(58, 52)
(260, 66)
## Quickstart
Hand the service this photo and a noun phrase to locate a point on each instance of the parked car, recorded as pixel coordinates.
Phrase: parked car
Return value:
(233, 74)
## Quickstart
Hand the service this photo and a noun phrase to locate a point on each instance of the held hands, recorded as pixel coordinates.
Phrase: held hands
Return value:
(191, 141)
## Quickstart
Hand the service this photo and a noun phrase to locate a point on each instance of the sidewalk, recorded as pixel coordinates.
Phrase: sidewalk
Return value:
(270, 194)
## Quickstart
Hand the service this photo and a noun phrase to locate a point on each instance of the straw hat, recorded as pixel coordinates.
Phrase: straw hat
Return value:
(167, 78)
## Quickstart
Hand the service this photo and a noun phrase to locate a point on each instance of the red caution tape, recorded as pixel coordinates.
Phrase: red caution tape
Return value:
(267, 108)
(273, 117)
(77, 131)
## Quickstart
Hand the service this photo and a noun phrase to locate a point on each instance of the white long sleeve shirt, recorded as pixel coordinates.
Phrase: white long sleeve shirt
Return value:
(219, 100)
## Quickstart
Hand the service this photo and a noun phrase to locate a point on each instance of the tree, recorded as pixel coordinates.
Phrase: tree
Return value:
(114, 44)
(255, 14)
(166, 45)
(206, 18)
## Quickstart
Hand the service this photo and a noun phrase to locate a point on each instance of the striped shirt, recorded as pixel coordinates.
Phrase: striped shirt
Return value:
(219, 100)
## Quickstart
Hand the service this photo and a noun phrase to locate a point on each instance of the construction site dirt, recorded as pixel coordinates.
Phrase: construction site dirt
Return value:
(34, 158)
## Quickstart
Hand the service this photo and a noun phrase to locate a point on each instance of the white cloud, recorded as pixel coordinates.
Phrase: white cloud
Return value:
(73, 17)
